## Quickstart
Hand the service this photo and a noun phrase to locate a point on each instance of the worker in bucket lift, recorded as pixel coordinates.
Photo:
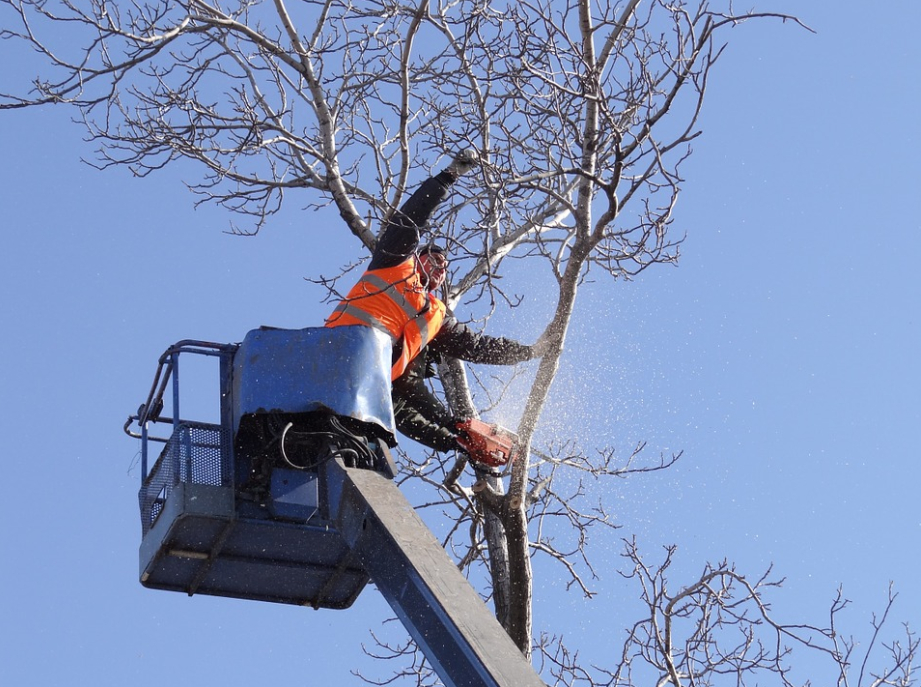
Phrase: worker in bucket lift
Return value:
(397, 295)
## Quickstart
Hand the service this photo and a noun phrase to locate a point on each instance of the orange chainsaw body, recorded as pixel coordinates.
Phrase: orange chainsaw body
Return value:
(488, 444)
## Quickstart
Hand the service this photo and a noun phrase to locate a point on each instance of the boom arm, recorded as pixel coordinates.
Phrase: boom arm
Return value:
(445, 616)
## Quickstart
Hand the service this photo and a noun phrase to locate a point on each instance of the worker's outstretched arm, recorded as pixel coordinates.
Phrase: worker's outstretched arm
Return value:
(457, 340)
(401, 236)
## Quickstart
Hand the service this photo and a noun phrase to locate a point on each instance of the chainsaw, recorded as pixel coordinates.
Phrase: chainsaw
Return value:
(488, 445)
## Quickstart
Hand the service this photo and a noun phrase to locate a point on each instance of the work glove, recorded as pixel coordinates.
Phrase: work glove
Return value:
(541, 347)
(463, 162)
(461, 425)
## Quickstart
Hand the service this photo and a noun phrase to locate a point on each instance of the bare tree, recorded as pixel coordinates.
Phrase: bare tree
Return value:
(582, 111)
(721, 629)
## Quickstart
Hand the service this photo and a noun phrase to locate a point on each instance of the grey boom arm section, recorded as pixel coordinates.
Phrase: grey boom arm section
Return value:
(448, 620)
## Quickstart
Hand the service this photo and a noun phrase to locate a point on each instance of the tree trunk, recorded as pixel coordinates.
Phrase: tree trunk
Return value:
(457, 391)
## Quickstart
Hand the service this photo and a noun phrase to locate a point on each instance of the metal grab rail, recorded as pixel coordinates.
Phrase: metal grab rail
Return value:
(168, 369)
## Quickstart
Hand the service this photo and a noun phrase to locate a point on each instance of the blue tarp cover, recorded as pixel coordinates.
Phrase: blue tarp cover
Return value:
(345, 370)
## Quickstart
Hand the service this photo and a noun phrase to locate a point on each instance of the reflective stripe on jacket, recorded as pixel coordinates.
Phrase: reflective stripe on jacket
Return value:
(393, 300)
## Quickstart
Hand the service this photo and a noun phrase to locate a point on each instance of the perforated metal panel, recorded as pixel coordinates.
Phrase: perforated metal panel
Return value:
(195, 454)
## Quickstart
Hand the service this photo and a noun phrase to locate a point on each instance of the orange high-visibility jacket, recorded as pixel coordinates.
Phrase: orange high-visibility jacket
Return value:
(393, 300)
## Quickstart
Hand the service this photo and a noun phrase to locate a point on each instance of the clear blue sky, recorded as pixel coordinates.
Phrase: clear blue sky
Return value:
(781, 356)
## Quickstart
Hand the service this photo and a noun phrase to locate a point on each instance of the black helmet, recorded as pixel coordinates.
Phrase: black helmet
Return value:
(432, 248)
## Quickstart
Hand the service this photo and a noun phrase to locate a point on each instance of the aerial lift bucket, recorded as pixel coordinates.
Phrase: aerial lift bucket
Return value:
(313, 530)
(220, 513)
